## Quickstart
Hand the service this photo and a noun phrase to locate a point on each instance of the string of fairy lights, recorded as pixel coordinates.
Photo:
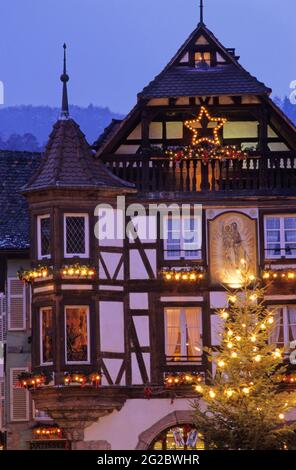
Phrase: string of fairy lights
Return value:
(203, 147)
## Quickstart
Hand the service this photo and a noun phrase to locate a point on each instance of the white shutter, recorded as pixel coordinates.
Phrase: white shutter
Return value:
(2, 421)
(16, 304)
(3, 324)
(19, 397)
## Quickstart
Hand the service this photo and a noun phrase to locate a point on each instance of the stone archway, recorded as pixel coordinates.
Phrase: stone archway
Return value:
(173, 419)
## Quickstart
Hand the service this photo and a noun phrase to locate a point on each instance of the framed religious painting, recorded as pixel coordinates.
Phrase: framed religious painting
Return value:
(232, 248)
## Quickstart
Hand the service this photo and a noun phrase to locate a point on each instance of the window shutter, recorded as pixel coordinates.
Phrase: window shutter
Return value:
(19, 397)
(2, 420)
(3, 324)
(16, 304)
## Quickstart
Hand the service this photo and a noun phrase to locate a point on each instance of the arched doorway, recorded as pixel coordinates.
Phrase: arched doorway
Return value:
(173, 431)
(181, 437)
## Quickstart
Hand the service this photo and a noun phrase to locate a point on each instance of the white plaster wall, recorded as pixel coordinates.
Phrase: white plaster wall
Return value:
(251, 212)
(142, 329)
(111, 261)
(218, 300)
(113, 366)
(136, 374)
(137, 268)
(139, 301)
(112, 326)
(122, 428)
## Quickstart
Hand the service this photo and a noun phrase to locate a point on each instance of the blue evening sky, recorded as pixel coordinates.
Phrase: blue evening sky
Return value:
(115, 47)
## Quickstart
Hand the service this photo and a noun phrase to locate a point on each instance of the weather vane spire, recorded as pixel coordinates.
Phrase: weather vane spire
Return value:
(201, 7)
(64, 80)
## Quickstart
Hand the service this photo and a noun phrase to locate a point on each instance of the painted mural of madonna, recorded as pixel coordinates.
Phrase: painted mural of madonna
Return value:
(232, 241)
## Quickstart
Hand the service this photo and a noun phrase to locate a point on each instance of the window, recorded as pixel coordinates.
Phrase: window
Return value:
(183, 334)
(280, 237)
(184, 437)
(202, 57)
(43, 236)
(182, 238)
(77, 334)
(76, 235)
(46, 336)
(285, 325)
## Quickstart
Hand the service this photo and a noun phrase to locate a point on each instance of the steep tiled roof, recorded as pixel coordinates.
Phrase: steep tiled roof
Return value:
(179, 80)
(108, 132)
(188, 81)
(16, 168)
(69, 162)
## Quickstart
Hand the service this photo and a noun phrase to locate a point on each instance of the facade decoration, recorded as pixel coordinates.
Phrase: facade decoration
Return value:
(232, 244)
(121, 326)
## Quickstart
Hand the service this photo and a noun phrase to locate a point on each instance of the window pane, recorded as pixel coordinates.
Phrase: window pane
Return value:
(292, 322)
(290, 223)
(45, 236)
(47, 336)
(273, 223)
(290, 236)
(75, 229)
(193, 332)
(183, 333)
(173, 332)
(273, 236)
(77, 334)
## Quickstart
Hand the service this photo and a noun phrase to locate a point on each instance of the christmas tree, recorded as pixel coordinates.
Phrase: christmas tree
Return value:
(246, 405)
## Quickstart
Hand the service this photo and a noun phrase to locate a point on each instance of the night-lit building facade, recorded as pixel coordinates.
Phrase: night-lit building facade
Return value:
(119, 325)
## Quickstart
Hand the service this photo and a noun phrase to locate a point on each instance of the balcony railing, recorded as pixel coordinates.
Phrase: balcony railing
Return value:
(272, 171)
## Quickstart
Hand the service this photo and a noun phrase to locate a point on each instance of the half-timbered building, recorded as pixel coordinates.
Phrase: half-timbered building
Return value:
(119, 324)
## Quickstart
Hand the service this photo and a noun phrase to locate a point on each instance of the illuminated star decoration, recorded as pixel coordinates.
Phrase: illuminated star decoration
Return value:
(198, 140)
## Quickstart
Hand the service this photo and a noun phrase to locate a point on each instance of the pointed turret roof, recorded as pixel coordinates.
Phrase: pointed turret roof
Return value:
(68, 161)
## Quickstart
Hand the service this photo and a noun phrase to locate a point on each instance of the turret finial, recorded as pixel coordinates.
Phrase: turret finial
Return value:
(201, 6)
(64, 80)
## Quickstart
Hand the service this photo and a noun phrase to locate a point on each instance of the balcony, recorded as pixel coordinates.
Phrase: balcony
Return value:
(259, 174)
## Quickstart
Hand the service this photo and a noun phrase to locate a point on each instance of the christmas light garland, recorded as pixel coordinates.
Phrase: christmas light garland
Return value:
(279, 274)
(47, 432)
(30, 380)
(198, 140)
(75, 271)
(78, 270)
(94, 379)
(179, 379)
(205, 149)
(40, 272)
(184, 274)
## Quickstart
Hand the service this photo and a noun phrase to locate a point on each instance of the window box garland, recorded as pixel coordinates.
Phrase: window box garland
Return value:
(35, 274)
(78, 271)
(188, 274)
(78, 378)
(30, 381)
(74, 271)
(279, 275)
(181, 379)
(47, 432)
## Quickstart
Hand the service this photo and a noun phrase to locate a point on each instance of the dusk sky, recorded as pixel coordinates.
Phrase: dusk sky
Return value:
(115, 47)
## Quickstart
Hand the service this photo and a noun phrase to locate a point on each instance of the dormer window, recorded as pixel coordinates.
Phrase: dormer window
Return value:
(43, 236)
(202, 58)
(76, 235)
